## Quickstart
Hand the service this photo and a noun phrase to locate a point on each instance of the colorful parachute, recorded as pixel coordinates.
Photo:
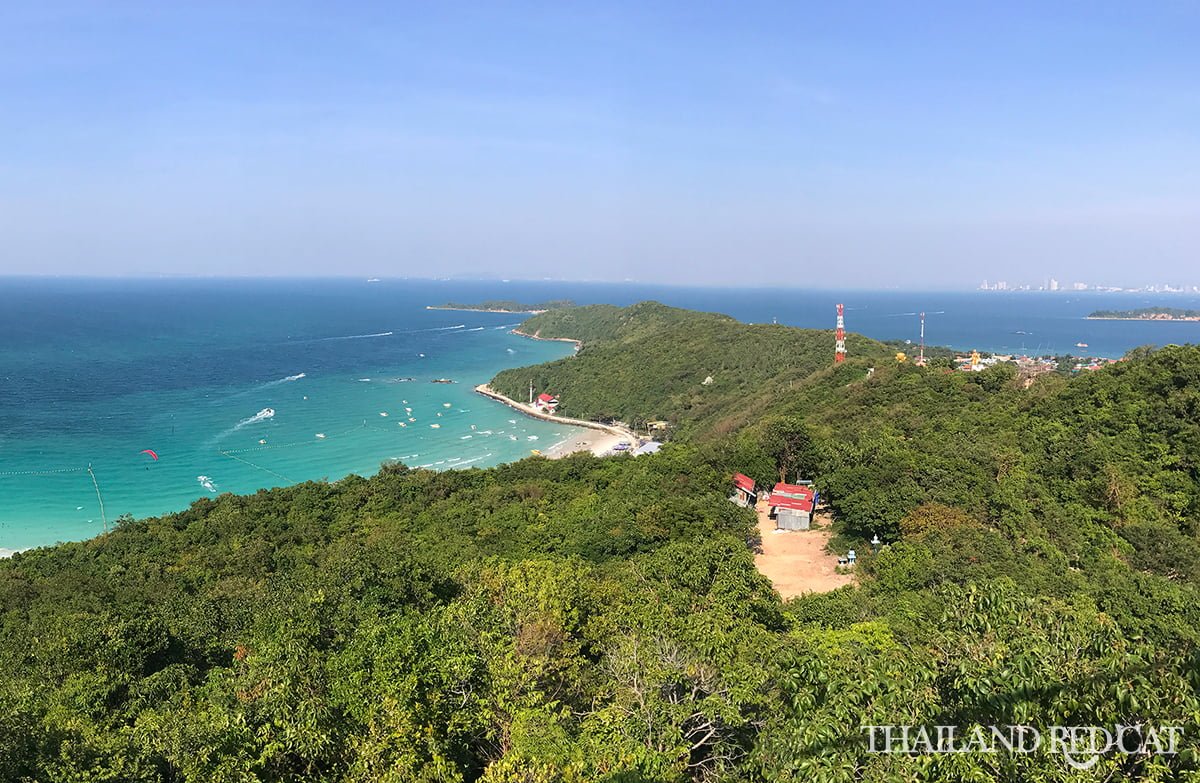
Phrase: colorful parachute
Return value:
(151, 453)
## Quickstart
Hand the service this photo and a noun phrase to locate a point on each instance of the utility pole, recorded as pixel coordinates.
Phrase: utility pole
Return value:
(839, 346)
(921, 358)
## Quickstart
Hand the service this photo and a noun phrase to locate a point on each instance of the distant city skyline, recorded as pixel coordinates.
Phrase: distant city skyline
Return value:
(913, 146)
(1054, 285)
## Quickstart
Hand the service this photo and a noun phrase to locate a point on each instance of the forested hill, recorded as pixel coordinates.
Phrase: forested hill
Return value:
(602, 620)
(1149, 314)
(506, 306)
(653, 362)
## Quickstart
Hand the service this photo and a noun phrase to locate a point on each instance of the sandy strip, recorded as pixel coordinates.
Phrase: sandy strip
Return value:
(595, 441)
(538, 336)
(597, 438)
(483, 310)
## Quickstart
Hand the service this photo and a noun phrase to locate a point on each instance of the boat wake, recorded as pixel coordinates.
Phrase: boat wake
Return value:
(263, 415)
(353, 337)
(268, 385)
(282, 381)
(435, 329)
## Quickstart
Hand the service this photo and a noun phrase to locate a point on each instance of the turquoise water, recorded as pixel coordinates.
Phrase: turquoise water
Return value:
(93, 372)
(230, 384)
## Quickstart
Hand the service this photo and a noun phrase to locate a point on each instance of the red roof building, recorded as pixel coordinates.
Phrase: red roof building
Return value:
(795, 504)
(546, 402)
(792, 505)
(793, 490)
(743, 490)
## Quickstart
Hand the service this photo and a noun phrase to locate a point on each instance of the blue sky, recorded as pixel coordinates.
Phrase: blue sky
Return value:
(879, 144)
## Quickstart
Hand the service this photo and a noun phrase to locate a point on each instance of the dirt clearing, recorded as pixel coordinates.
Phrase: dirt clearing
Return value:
(796, 561)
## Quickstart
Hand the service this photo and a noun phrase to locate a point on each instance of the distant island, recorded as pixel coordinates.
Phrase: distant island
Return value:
(1148, 314)
(506, 306)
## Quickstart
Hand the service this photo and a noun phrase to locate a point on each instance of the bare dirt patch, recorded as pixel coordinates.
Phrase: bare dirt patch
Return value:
(796, 561)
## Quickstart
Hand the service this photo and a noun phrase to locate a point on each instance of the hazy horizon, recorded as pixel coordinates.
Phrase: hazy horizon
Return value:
(915, 148)
(1031, 288)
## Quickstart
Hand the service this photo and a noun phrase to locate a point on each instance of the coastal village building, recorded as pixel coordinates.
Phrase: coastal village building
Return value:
(792, 505)
(743, 491)
(547, 403)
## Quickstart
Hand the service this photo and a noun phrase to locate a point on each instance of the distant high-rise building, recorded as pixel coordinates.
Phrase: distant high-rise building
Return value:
(1053, 284)
(1001, 286)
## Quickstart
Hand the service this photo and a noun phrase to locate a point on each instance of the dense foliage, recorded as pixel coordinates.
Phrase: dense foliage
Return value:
(509, 305)
(602, 620)
(653, 362)
(1147, 312)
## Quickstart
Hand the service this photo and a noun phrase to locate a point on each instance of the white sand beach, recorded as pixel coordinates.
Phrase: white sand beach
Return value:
(600, 439)
(595, 441)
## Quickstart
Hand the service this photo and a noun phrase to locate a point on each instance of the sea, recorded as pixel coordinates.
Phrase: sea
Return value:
(137, 397)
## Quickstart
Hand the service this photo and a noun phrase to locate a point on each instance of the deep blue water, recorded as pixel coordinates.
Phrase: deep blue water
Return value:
(1052, 323)
(93, 371)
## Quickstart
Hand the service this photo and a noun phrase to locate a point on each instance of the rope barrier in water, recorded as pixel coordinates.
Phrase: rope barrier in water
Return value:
(41, 472)
(251, 464)
(96, 484)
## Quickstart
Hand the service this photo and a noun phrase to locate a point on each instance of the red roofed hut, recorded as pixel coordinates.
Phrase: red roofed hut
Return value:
(792, 506)
(743, 490)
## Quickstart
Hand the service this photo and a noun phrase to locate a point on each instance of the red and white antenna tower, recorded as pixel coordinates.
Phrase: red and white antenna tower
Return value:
(839, 348)
(921, 358)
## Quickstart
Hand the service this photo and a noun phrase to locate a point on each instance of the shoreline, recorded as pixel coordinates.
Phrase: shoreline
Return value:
(484, 310)
(1163, 320)
(611, 437)
(537, 336)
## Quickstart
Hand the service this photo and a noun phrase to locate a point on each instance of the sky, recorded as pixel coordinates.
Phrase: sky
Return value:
(882, 144)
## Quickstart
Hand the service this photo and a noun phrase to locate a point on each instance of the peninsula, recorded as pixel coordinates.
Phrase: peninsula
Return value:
(1146, 314)
(505, 306)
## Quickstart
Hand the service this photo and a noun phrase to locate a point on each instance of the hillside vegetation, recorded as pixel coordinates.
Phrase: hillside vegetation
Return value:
(651, 362)
(1148, 313)
(508, 305)
(602, 620)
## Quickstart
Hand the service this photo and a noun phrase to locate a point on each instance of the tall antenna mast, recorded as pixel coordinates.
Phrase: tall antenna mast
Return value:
(921, 358)
(839, 346)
